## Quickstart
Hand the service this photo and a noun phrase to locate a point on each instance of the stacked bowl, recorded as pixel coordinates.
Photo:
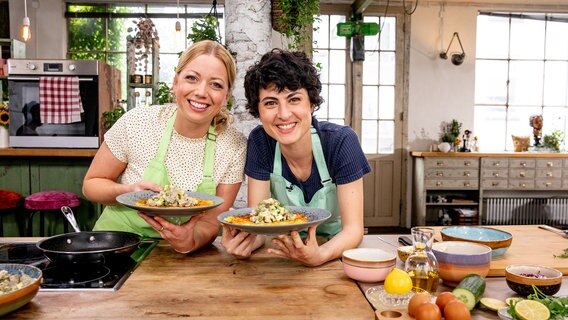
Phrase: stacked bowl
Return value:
(499, 241)
(457, 259)
(368, 264)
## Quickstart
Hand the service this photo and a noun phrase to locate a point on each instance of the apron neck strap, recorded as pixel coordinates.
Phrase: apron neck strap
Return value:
(209, 159)
(166, 137)
(317, 151)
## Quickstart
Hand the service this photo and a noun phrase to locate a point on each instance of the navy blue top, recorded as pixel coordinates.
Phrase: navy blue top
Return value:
(344, 157)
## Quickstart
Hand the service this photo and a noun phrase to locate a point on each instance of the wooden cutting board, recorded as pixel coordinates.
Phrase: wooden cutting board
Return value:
(531, 245)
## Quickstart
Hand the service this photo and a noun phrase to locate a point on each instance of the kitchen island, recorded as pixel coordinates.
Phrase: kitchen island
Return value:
(211, 284)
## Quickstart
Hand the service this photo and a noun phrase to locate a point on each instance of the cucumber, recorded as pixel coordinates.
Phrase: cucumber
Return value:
(470, 290)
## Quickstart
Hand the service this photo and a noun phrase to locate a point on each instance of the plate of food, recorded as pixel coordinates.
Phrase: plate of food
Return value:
(170, 202)
(271, 218)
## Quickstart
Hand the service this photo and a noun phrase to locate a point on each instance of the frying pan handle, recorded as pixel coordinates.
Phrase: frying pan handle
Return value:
(68, 213)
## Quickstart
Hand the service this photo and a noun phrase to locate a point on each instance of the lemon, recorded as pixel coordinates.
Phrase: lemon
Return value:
(398, 282)
(531, 310)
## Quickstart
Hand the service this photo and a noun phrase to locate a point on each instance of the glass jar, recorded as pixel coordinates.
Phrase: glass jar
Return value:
(422, 265)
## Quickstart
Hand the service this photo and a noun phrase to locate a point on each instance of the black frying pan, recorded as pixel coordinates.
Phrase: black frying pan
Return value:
(82, 247)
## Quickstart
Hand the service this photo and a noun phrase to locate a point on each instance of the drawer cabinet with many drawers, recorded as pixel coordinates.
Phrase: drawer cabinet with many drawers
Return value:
(450, 181)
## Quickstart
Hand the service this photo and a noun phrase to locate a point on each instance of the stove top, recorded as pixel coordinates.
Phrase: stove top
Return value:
(102, 277)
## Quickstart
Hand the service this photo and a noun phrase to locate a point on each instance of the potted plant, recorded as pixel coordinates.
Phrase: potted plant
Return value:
(110, 117)
(293, 19)
(205, 29)
(450, 135)
(164, 94)
(553, 140)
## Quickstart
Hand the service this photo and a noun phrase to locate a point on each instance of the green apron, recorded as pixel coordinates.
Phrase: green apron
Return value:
(325, 198)
(121, 218)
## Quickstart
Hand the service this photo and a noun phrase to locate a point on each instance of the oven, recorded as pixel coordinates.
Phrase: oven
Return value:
(59, 103)
(105, 276)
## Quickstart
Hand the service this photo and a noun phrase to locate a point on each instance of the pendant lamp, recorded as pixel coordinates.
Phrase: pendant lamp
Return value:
(26, 32)
(178, 24)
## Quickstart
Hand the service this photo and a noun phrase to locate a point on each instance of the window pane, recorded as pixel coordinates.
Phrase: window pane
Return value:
(386, 102)
(490, 127)
(518, 122)
(556, 83)
(322, 112)
(492, 37)
(86, 34)
(321, 32)
(371, 68)
(490, 82)
(556, 44)
(337, 62)
(527, 39)
(555, 119)
(370, 102)
(387, 68)
(386, 136)
(369, 136)
(170, 40)
(335, 41)
(320, 58)
(388, 33)
(336, 101)
(525, 84)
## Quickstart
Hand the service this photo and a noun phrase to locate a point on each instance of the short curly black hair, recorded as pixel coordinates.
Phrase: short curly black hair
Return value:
(286, 70)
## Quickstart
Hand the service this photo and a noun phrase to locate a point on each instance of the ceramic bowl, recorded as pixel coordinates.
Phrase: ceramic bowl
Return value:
(456, 259)
(16, 299)
(403, 252)
(499, 241)
(520, 279)
(368, 264)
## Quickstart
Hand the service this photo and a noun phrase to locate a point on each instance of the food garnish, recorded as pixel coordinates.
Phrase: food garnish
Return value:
(12, 282)
(171, 196)
(563, 254)
(536, 275)
(557, 307)
(269, 211)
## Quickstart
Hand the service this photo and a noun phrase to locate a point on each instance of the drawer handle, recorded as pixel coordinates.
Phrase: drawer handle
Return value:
(466, 184)
(523, 164)
(439, 163)
(548, 184)
(466, 174)
(495, 174)
(522, 185)
(438, 183)
(522, 174)
(467, 163)
(549, 174)
(495, 184)
(496, 164)
(549, 164)
(439, 173)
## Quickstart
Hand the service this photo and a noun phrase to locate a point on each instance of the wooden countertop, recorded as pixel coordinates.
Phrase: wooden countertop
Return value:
(47, 152)
(211, 284)
(496, 287)
(490, 154)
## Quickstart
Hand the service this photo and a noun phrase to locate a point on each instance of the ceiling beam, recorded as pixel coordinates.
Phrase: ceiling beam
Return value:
(359, 6)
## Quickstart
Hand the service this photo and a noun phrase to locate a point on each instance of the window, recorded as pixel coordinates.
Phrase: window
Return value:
(521, 70)
(99, 32)
(378, 99)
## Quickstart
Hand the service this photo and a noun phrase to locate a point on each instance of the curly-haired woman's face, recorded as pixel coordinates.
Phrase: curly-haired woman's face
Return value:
(286, 116)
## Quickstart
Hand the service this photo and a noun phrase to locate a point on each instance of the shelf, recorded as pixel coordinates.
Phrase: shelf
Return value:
(435, 204)
(141, 85)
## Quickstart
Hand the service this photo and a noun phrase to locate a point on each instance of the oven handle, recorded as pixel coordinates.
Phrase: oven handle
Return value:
(15, 78)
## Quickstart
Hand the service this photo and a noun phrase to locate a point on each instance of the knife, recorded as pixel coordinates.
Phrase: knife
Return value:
(564, 233)
(404, 240)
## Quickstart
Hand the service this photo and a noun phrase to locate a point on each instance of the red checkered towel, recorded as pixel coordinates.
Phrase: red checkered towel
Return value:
(59, 99)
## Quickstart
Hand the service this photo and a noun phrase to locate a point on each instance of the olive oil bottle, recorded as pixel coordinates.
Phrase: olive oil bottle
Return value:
(422, 265)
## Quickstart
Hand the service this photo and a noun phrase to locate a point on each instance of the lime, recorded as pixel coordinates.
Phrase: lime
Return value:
(531, 310)
(398, 282)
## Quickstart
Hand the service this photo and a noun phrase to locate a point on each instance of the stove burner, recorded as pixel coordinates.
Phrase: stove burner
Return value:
(25, 253)
(62, 277)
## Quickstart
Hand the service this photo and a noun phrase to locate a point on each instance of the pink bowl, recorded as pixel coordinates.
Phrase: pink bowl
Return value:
(366, 274)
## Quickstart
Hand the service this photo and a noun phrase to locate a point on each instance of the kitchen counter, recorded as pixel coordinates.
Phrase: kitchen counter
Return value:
(37, 152)
(211, 284)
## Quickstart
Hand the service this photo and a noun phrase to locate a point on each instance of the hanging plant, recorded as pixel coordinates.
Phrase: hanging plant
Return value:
(142, 37)
(293, 18)
(205, 29)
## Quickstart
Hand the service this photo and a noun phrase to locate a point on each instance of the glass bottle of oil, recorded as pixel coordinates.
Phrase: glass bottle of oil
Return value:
(422, 265)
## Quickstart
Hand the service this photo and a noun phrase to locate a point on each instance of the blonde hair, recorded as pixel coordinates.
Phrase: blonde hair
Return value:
(208, 47)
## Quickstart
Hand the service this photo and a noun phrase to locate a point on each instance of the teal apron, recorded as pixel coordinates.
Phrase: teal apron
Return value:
(325, 198)
(121, 218)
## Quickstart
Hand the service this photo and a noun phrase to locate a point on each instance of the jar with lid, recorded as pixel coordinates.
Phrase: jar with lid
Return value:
(422, 265)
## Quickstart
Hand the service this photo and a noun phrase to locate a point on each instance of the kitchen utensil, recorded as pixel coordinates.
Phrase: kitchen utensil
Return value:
(404, 240)
(87, 246)
(563, 233)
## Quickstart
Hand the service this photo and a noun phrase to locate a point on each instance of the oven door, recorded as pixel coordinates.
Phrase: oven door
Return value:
(27, 129)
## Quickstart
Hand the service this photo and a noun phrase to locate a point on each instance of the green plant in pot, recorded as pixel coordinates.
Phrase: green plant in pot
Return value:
(164, 94)
(205, 29)
(293, 19)
(110, 117)
(553, 140)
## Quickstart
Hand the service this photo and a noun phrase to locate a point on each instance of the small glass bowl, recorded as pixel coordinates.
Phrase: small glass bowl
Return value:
(378, 295)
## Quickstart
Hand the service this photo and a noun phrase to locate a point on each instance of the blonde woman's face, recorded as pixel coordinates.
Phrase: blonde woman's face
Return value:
(201, 89)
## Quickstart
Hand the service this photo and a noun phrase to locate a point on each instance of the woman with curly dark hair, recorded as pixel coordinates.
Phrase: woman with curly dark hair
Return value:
(300, 161)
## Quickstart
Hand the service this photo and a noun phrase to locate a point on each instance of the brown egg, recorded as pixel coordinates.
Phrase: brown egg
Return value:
(428, 311)
(456, 310)
(416, 301)
(443, 299)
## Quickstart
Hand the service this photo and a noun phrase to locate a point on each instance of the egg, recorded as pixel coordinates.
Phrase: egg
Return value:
(416, 301)
(456, 310)
(429, 311)
(443, 299)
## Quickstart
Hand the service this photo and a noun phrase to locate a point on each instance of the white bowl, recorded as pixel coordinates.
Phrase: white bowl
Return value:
(368, 264)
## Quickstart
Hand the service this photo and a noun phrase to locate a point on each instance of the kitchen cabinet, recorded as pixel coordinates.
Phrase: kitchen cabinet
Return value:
(143, 70)
(27, 174)
(9, 49)
(480, 188)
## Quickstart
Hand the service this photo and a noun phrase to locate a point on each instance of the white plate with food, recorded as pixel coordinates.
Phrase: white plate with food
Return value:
(169, 202)
(270, 218)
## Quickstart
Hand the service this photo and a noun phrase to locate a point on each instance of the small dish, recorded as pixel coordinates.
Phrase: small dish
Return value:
(14, 300)
(404, 252)
(129, 199)
(315, 217)
(521, 278)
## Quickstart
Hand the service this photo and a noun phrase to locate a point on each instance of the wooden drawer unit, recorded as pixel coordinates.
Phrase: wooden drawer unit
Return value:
(550, 184)
(522, 163)
(451, 163)
(494, 184)
(444, 173)
(494, 163)
(549, 163)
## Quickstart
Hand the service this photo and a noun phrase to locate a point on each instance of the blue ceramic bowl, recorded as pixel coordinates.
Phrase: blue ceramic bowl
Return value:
(13, 300)
(499, 241)
(457, 259)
